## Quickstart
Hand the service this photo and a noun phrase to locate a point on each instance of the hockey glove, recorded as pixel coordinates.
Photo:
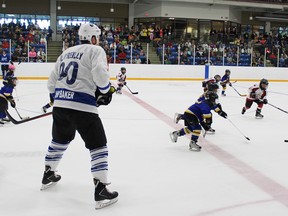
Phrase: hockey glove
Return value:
(104, 99)
(265, 101)
(230, 84)
(11, 100)
(124, 83)
(223, 114)
(12, 103)
(205, 126)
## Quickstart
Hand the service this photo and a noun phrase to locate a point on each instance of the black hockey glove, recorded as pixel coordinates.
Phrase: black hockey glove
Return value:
(230, 84)
(104, 99)
(12, 103)
(125, 83)
(265, 101)
(205, 126)
(223, 114)
(11, 100)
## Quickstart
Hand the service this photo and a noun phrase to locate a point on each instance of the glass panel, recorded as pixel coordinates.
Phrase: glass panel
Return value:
(192, 29)
(180, 28)
(205, 28)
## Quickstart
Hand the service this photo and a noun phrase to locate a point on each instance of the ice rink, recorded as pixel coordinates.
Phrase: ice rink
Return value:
(231, 176)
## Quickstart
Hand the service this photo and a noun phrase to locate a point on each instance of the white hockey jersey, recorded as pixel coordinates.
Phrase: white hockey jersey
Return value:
(78, 72)
(255, 92)
(121, 78)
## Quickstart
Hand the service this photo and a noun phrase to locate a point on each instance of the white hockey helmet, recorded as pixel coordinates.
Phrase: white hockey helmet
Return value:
(87, 31)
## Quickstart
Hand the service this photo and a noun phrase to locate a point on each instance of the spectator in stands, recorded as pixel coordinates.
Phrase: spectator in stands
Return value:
(122, 55)
(41, 55)
(32, 55)
(16, 54)
(43, 39)
(4, 59)
(109, 58)
(30, 37)
(137, 60)
(65, 44)
(273, 59)
(5, 44)
(50, 32)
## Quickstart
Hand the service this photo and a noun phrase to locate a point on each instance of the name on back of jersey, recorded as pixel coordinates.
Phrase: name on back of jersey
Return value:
(64, 94)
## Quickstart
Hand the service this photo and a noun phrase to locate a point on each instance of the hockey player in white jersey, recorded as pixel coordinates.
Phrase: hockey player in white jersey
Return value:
(121, 80)
(257, 94)
(80, 82)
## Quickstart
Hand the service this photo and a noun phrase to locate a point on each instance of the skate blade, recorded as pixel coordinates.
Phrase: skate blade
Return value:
(105, 203)
(172, 138)
(258, 117)
(175, 118)
(195, 148)
(46, 186)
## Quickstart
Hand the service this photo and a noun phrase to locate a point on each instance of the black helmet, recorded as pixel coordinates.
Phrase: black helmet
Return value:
(11, 81)
(217, 77)
(212, 86)
(123, 69)
(265, 82)
(211, 97)
(227, 71)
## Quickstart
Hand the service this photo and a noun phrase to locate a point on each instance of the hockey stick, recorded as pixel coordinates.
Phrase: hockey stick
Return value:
(242, 95)
(14, 121)
(20, 115)
(238, 129)
(131, 91)
(278, 108)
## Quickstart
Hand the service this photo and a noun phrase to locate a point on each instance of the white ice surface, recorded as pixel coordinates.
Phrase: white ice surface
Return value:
(231, 176)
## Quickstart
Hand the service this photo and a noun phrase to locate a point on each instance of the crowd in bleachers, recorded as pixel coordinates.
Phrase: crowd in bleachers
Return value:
(242, 50)
(235, 50)
(26, 43)
(125, 45)
(116, 43)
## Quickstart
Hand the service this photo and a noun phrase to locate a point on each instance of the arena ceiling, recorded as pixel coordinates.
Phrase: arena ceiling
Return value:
(277, 8)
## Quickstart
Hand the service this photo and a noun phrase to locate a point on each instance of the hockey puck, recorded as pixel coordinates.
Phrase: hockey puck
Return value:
(285, 140)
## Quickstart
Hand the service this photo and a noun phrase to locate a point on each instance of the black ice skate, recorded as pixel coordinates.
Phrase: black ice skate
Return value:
(258, 114)
(243, 110)
(5, 119)
(103, 196)
(194, 147)
(49, 178)
(177, 117)
(211, 130)
(174, 136)
(44, 109)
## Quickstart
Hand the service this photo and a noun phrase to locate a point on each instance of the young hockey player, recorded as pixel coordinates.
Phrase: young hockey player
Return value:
(207, 82)
(11, 70)
(121, 80)
(10, 73)
(224, 81)
(6, 95)
(194, 118)
(80, 81)
(212, 86)
(257, 94)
